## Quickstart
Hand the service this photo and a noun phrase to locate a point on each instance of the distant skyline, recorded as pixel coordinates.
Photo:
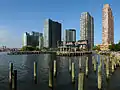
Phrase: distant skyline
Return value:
(19, 16)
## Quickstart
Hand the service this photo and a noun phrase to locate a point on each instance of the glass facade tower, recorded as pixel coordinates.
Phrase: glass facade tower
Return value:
(52, 33)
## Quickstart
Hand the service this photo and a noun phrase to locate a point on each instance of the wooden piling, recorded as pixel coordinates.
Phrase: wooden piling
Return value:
(35, 72)
(54, 68)
(80, 81)
(94, 62)
(107, 69)
(87, 66)
(115, 62)
(14, 80)
(94, 65)
(69, 65)
(99, 78)
(80, 63)
(73, 73)
(112, 66)
(50, 78)
(10, 74)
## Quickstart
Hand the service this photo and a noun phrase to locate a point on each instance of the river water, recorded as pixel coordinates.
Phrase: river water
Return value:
(24, 66)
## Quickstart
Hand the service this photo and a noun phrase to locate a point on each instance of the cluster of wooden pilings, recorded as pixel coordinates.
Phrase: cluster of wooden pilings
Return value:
(110, 64)
(13, 75)
(53, 73)
(80, 74)
(71, 68)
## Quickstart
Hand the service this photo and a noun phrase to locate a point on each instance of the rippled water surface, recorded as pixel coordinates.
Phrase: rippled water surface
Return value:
(24, 66)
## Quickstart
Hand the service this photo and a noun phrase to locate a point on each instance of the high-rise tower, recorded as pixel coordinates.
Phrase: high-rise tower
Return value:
(52, 33)
(107, 25)
(87, 28)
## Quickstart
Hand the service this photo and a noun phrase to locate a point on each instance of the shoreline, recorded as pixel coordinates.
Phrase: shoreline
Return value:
(29, 52)
(58, 53)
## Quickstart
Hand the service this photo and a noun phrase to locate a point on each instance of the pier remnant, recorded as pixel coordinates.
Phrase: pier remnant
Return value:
(69, 65)
(80, 81)
(86, 67)
(35, 72)
(107, 68)
(50, 78)
(80, 63)
(94, 65)
(54, 68)
(112, 66)
(14, 80)
(73, 72)
(99, 78)
(10, 74)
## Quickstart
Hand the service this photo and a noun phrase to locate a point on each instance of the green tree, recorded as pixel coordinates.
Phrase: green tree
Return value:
(37, 49)
(96, 48)
(29, 48)
(112, 47)
(115, 47)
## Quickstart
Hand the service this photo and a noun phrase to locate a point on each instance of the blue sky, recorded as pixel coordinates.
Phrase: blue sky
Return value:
(19, 16)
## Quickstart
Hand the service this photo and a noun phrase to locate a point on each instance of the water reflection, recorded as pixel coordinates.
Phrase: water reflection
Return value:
(63, 71)
(63, 81)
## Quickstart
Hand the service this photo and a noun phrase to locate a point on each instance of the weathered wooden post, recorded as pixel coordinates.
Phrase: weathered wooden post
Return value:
(94, 63)
(50, 78)
(80, 64)
(99, 78)
(97, 58)
(73, 73)
(14, 80)
(80, 81)
(10, 74)
(112, 66)
(92, 60)
(69, 65)
(86, 67)
(110, 58)
(105, 62)
(116, 62)
(35, 72)
(100, 62)
(107, 69)
(54, 68)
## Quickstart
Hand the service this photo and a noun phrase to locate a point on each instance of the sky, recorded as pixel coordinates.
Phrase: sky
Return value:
(19, 16)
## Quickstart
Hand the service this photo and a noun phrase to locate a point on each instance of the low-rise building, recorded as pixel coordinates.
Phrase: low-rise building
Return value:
(80, 45)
